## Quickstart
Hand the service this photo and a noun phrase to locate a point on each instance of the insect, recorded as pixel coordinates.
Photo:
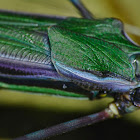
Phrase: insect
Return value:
(51, 55)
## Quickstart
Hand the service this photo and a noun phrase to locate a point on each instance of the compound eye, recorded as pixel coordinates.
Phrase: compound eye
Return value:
(135, 97)
(137, 67)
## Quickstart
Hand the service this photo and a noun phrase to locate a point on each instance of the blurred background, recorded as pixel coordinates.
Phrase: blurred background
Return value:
(22, 113)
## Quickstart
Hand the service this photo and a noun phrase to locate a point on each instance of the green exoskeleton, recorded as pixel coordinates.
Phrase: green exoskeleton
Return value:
(72, 57)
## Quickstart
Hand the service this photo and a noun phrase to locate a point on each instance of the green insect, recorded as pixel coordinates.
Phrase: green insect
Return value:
(71, 57)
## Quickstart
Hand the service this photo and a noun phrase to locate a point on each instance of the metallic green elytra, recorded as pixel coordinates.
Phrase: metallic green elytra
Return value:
(72, 57)
(101, 50)
(99, 60)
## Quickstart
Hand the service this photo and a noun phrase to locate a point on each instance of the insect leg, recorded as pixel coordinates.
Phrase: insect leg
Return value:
(67, 126)
(82, 9)
(124, 103)
(121, 106)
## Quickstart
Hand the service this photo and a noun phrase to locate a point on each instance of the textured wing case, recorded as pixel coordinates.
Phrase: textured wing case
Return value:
(24, 46)
(25, 58)
(80, 54)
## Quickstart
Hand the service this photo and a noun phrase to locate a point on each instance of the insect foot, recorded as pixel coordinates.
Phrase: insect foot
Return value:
(125, 103)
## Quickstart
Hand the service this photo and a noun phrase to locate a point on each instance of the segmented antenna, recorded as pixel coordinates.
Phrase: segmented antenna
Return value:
(82, 9)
